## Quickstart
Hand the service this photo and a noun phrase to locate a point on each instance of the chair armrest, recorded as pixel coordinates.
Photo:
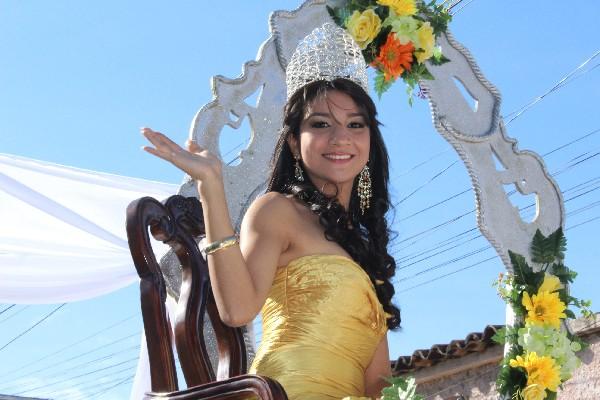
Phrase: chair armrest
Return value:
(237, 388)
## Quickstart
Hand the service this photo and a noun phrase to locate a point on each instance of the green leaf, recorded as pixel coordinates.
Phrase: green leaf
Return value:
(333, 13)
(400, 388)
(563, 273)
(544, 250)
(570, 314)
(439, 59)
(381, 85)
(550, 395)
(521, 268)
(500, 336)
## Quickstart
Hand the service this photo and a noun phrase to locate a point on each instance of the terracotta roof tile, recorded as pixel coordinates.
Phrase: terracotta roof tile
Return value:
(475, 342)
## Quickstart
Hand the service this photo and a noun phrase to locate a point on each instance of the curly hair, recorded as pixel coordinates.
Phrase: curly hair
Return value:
(364, 237)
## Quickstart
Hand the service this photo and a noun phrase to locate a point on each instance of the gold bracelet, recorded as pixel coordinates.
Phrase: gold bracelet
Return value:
(220, 244)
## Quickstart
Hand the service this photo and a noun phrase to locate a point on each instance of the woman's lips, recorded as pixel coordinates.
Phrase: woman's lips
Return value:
(338, 157)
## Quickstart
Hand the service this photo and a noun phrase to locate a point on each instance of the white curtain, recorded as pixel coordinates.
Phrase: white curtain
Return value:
(62, 231)
(62, 236)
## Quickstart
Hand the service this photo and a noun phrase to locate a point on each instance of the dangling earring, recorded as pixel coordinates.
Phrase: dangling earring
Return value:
(298, 170)
(364, 189)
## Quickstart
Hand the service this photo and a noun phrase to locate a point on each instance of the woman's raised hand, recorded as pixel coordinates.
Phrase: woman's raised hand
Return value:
(197, 162)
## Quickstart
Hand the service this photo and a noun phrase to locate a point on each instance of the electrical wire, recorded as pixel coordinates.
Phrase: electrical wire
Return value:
(7, 308)
(58, 363)
(15, 313)
(486, 260)
(466, 190)
(456, 238)
(433, 178)
(561, 83)
(77, 376)
(112, 387)
(470, 254)
(71, 345)
(33, 326)
(54, 373)
(460, 9)
(95, 380)
(427, 232)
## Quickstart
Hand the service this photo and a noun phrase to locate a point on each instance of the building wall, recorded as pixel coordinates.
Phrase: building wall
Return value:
(473, 377)
(585, 384)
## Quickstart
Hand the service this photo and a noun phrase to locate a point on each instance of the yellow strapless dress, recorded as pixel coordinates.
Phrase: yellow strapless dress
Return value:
(322, 322)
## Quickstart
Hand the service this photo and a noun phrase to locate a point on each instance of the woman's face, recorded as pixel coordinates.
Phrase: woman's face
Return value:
(334, 141)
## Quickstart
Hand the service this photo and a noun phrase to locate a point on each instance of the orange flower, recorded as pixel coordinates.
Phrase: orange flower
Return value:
(394, 57)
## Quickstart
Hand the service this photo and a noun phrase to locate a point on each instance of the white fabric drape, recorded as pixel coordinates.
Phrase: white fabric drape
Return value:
(62, 231)
(62, 236)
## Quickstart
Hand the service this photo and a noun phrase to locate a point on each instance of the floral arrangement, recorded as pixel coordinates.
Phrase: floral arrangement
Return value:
(396, 37)
(401, 389)
(541, 355)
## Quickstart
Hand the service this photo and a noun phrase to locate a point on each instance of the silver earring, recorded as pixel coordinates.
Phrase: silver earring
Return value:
(364, 189)
(298, 170)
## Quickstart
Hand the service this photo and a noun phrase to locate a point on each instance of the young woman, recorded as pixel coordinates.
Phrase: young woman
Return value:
(313, 250)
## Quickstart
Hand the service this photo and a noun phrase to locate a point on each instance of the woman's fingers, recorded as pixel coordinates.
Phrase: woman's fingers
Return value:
(197, 162)
(163, 146)
(193, 146)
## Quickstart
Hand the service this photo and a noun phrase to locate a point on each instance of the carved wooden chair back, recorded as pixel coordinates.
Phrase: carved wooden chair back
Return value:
(178, 222)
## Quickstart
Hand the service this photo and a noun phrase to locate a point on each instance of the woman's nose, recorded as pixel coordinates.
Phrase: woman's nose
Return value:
(339, 135)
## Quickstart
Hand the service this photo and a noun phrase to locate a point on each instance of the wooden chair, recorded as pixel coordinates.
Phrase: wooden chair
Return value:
(177, 222)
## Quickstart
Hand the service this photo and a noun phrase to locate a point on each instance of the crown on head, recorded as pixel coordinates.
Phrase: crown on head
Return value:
(327, 53)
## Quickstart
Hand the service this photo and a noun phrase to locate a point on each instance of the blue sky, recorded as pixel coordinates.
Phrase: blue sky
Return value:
(78, 79)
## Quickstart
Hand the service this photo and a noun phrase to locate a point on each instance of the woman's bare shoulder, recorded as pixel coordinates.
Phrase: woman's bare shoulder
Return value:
(272, 208)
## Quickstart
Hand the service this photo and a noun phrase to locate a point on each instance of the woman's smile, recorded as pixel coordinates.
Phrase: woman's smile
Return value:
(338, 158)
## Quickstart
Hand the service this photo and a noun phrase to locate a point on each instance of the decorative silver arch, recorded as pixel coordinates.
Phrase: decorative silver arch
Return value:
(477, 134)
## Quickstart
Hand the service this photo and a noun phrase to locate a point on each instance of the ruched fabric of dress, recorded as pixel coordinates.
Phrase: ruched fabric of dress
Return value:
(322, 322)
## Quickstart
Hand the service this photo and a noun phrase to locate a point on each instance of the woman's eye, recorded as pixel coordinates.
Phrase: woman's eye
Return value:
(356, 125)
(320, 124)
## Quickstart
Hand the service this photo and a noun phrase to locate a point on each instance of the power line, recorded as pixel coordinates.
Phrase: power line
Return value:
(95, 380)
(77, 376)
(460, 9)
(561, 147)
(486, 260)
(448, 274)
(126, 380)
(456, 238)
(33, 326)
(15, 313)
(584, 208)
(71, 345)
(424, 233)
(452, 261)
(585, 136)
(561, 83)
(54, 373)
(57, 364)
(7, 308)
(421, 163)
(443, 264)
(439, 203)
(434, 177)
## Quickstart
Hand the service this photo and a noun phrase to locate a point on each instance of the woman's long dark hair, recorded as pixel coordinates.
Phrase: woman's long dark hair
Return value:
(364, 237)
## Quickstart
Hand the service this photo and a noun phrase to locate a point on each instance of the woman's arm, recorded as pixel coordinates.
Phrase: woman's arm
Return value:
(378, 369)
(240, 276)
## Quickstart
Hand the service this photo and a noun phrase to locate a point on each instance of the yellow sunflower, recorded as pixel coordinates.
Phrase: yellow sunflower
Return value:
(541, 371)
(545, 308)
(551, 284)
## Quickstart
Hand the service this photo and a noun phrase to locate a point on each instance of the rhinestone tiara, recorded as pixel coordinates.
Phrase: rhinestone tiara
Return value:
(327, 53)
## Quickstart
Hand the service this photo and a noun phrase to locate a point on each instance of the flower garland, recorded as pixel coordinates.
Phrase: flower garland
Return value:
(541, 356)
(401, 389)
(396, 37)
